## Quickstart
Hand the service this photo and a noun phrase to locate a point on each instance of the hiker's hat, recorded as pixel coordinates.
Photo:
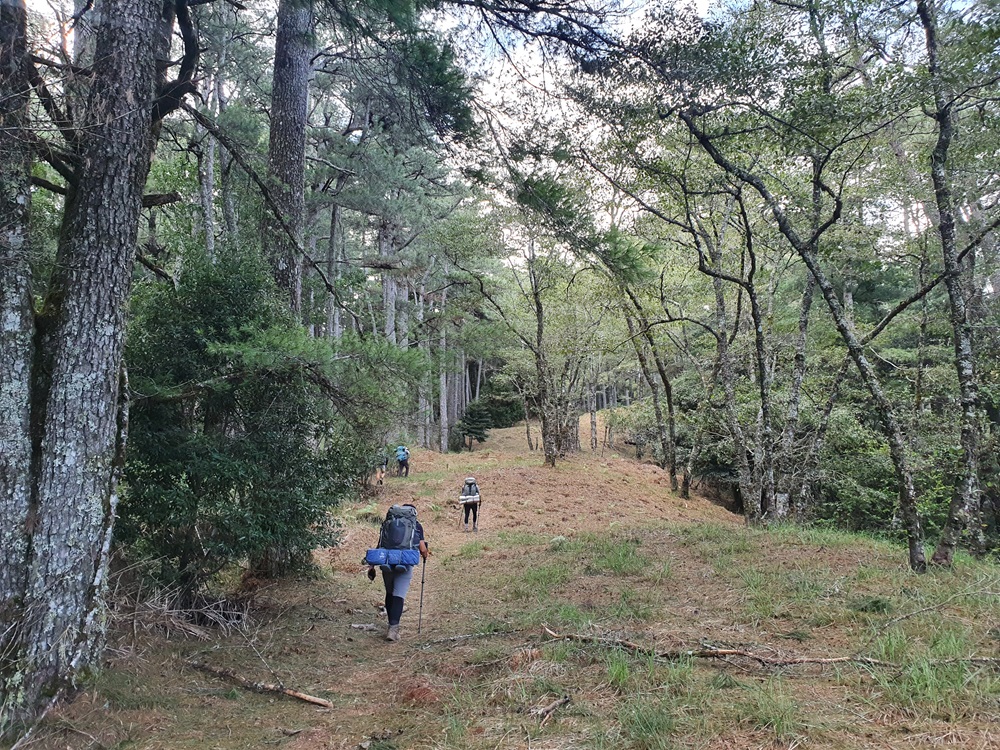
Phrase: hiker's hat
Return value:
(470, 480)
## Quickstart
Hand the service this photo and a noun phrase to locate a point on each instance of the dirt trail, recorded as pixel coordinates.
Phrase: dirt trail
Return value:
(584, 494)
(522, 500)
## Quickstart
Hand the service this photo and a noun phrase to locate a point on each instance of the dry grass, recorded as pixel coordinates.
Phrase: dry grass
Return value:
(596, 546)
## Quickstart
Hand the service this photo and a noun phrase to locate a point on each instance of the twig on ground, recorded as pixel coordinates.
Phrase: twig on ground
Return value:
(364, 626)
(259, 687)
(26, 739)
(944, 602)
(544, 714)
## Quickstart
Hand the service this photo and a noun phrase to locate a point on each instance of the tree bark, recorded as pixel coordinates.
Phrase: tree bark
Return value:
(443, 375)
(965, 498)
(593, 417)
(670, 446)
(293, 49)
(16, 320)
(206, 180)
(77, 387)
(750, 497)
(638, 344)
(386, 249)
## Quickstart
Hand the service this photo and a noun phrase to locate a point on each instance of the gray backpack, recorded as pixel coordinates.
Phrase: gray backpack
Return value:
(399, 529)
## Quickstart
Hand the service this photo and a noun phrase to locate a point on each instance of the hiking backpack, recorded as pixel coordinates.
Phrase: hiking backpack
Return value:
(399, 529)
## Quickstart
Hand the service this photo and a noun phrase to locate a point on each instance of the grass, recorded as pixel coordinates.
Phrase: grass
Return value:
(770, 708)
(536, 581)
(617, 557)
(619, 666)
(648, 722)
(520, 539)
(470, 551)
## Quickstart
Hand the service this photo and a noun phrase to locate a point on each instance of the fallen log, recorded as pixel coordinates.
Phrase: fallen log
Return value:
(259, 687)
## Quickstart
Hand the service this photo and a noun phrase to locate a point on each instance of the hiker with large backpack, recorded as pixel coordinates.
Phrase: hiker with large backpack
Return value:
(402, 461)
(470, 499)
(401, 546)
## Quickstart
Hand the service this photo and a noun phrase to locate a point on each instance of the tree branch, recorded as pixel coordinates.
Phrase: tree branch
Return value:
(173, 93)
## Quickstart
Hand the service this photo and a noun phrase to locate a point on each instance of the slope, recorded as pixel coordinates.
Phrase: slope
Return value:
(600, 550)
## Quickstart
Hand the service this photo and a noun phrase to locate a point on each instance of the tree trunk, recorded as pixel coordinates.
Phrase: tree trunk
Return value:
(334, 327)
(640, 352)
(593, 418)
(894, 436)
(77, 388)
(206, 180)
(386, 249)
(965, 498)
(788, 460)
(751, 498)
(670, 446)
(226, 161)
(286, 152)
(443, 375)
(16, 321)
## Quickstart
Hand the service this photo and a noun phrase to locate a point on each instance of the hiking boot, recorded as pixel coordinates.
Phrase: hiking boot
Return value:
(475, 527)
(393, 634)
(466, 527)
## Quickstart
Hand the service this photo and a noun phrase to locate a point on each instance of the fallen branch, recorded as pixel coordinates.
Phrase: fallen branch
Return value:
(767, 661)
(364, 626)
(724, 653)
(544, 714)
(260, 687)
(941, 604)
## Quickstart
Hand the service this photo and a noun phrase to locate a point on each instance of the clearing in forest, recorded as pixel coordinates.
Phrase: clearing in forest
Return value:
(600, 551)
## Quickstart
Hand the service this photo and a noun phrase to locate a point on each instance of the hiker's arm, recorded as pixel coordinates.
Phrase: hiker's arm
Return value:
(425, 551)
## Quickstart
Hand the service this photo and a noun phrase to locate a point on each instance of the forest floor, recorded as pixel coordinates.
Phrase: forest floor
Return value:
(596, 548)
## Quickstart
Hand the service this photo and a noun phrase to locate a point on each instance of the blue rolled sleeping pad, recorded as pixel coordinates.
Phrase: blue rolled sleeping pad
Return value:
(392, 559)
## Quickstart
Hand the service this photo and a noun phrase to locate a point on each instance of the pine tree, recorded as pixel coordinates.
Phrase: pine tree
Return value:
(475, 423)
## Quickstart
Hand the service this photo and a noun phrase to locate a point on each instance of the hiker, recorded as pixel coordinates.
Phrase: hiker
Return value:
(400, 532)
(381, 467)
(403, 461)
(470, 499)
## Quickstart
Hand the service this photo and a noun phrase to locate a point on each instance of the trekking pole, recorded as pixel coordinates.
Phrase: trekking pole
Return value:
(423, 572)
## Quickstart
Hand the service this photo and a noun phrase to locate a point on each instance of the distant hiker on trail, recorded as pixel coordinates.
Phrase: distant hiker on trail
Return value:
(400, 546)
(470, 499)
(403, 461)
(381, 467)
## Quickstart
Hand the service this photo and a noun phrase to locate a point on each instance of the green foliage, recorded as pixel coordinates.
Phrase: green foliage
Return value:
(503, 404)
(475, 423)
(240, 440)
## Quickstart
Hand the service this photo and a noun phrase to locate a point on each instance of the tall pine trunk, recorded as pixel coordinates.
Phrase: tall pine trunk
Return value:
(77, 384)
(286, 153)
